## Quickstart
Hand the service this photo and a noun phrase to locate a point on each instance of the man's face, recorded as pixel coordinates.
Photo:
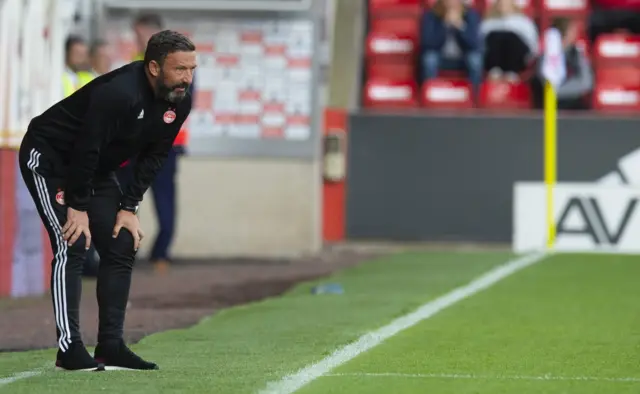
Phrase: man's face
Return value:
(176, 76)
(78, 57)
(102, 60)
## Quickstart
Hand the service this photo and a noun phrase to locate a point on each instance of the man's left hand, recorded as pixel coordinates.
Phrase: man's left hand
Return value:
(129, 220)
(456, 20)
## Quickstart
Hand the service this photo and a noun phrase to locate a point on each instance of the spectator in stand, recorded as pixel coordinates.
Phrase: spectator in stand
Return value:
(574, 92)
(76, 60)
(75, 77)
(450, 40)
(510, 41)
(99, 63)
(608, 16)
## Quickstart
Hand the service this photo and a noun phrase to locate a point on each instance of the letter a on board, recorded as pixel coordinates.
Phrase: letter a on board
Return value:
(594, 224)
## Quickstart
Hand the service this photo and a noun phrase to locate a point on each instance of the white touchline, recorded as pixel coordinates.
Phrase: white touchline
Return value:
(19, 376)
(483, 377)
(292, 383)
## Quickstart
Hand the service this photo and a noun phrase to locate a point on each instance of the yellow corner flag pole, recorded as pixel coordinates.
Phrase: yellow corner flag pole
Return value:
(550, 163)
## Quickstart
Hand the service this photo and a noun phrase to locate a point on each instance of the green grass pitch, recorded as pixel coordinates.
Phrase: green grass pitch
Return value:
(569, 324)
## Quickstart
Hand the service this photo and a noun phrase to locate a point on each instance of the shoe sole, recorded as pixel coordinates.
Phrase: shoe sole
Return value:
(115, 368)
(92, 369)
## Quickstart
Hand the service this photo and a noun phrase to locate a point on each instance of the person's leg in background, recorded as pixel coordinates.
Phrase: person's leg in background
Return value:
(473, 62)
(114, 277)
(516, 55)
(494, 55)
(537, 92)
(164, 197)
(68, 261)
(430, 65)
(92, 262)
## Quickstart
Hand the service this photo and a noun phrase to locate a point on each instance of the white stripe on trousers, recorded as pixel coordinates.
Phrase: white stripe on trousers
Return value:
(60, 259)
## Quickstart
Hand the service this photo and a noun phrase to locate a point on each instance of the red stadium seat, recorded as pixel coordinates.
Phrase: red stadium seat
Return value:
(626, 76)
(385, 93)
(394, 7)
(383, 44)
(504, 95)
(527, 6)
(391, 48)
(617, 49)
(443, 93)
(452, 74)
(613, 97)
(391, 69)
(402, 25)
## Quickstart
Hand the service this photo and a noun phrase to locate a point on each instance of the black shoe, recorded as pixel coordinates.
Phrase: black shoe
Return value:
(77, 358)
(115, 355)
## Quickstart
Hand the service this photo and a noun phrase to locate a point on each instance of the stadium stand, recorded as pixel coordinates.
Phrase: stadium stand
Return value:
(617, 60)
(392, 61)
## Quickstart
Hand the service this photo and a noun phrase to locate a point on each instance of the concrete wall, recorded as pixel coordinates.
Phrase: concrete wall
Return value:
(243, 207)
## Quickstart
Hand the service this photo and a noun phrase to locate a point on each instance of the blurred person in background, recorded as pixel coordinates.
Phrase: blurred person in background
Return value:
(99, 64)
(76, 61)
(100, 58)
(144, 26)
(76, 75)
(450, 40)
(510, 41)
(608, 16)
(164, 185)
(575, 90)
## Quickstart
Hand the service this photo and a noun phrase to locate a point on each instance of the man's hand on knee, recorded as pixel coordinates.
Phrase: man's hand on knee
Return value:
(129, 221)
(76, 225)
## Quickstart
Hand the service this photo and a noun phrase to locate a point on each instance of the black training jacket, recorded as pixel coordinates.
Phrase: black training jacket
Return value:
(112, 119)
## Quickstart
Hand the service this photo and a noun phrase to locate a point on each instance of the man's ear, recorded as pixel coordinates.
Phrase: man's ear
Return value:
(154, 68)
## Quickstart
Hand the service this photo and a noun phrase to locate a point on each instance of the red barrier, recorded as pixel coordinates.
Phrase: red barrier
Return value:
(8, 162)
(9, 225)
(333, 204)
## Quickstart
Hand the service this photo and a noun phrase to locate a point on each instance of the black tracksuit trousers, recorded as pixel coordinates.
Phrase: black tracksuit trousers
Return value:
(42, 175)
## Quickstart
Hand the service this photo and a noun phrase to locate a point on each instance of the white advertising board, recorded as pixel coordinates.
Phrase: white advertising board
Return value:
(589, 217)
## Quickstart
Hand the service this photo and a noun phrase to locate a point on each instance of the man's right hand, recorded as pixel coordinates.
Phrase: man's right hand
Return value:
(77, 224)
(453, 18)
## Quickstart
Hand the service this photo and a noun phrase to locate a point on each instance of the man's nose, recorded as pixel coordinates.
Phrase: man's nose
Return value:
(188, 77)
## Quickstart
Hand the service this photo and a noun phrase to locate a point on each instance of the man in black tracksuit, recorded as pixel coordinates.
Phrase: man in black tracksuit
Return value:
(68, 158)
